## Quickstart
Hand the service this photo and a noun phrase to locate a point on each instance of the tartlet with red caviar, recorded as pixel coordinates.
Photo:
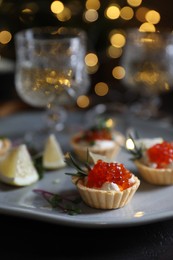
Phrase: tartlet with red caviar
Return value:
(5, 145)
(98, 139)
(106, 185)
(154, 162)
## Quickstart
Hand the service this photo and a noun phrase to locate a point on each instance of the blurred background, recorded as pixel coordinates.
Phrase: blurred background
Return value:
(105, 22)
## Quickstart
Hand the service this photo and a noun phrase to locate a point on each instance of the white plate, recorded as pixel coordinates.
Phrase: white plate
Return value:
(149, 204)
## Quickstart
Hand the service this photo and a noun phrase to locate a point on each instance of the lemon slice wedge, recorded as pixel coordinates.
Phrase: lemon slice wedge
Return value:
(17, 167)
(53, 157)
(95, 157)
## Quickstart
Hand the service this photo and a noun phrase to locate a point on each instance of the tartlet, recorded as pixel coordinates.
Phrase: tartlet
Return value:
(154, 161)
(98, 139)
(105, 185)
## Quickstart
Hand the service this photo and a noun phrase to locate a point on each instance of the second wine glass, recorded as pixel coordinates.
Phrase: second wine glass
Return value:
(50, 70)
(147, 66)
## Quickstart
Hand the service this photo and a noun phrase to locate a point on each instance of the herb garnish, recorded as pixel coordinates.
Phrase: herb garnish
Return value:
(38, 163)
(56, 201)
(81, 171)
(136, 151)
(37, 158)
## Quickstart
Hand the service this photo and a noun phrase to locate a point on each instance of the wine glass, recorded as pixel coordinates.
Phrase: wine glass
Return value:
(146, 60)
(50, 70)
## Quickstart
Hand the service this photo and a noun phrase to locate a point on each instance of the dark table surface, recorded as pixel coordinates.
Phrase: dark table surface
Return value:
(31, 239)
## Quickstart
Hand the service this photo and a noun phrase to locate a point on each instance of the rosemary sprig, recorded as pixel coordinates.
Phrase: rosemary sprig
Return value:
(37, 158)
(56, 201)
(136, 152)
(38, 163)
(80, 171)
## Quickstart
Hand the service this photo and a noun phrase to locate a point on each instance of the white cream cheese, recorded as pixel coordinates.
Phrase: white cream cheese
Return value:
(111, 186)
(100, 144)
(146, 143)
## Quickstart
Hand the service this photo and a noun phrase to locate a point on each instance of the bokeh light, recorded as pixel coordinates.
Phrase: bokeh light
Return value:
(112, 12)
(127, 13)
(91, 15)
(152, 17)
(118, 72)
(5, 37)
(83, 101)
(101, 89)
(134, 3)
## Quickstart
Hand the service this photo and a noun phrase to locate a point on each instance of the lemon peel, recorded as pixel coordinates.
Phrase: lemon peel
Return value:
(53, 157)
(17, 167)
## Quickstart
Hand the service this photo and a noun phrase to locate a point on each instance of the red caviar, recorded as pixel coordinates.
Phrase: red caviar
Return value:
(109, 172)
(92, 135)
(161, 154)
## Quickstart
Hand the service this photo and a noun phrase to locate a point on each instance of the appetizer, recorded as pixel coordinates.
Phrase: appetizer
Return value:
(154, 160)
(99, 139)
(106, 185)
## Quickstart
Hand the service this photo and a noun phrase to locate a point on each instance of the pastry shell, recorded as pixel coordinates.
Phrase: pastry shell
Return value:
(101, 199)
(155, 176)
(110, 152)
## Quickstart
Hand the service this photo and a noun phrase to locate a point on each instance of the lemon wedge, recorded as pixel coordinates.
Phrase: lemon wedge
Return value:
(17, 168)
(53, 157)
(95, 157)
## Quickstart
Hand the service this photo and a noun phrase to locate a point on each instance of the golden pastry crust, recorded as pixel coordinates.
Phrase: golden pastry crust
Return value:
(155, 176)
(5, 146)
(81, 150)
(101, 199)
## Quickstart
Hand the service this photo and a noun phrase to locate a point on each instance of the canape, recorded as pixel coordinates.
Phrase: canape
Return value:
(98, 139)
(105, 185)
(154, 160)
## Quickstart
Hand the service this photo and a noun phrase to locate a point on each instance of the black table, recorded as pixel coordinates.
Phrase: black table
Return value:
(23, 238)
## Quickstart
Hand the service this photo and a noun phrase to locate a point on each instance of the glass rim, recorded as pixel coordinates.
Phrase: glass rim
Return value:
(52, 32)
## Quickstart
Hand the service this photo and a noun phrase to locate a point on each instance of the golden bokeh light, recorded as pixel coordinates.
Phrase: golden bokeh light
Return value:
(5, 37)
(91, 59)
(126, 13)
(57, 7)
(118, 72)
(92, 4)
(83, 101)
(152, 17)
(93, 69)
(112, 12)
(101, 88)
(65, 15)
(141, 13)
(26, 11)
(118, 40)
(91, 15)
(110, 123)
(134, 3)
(114, 52)
(147, 27)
